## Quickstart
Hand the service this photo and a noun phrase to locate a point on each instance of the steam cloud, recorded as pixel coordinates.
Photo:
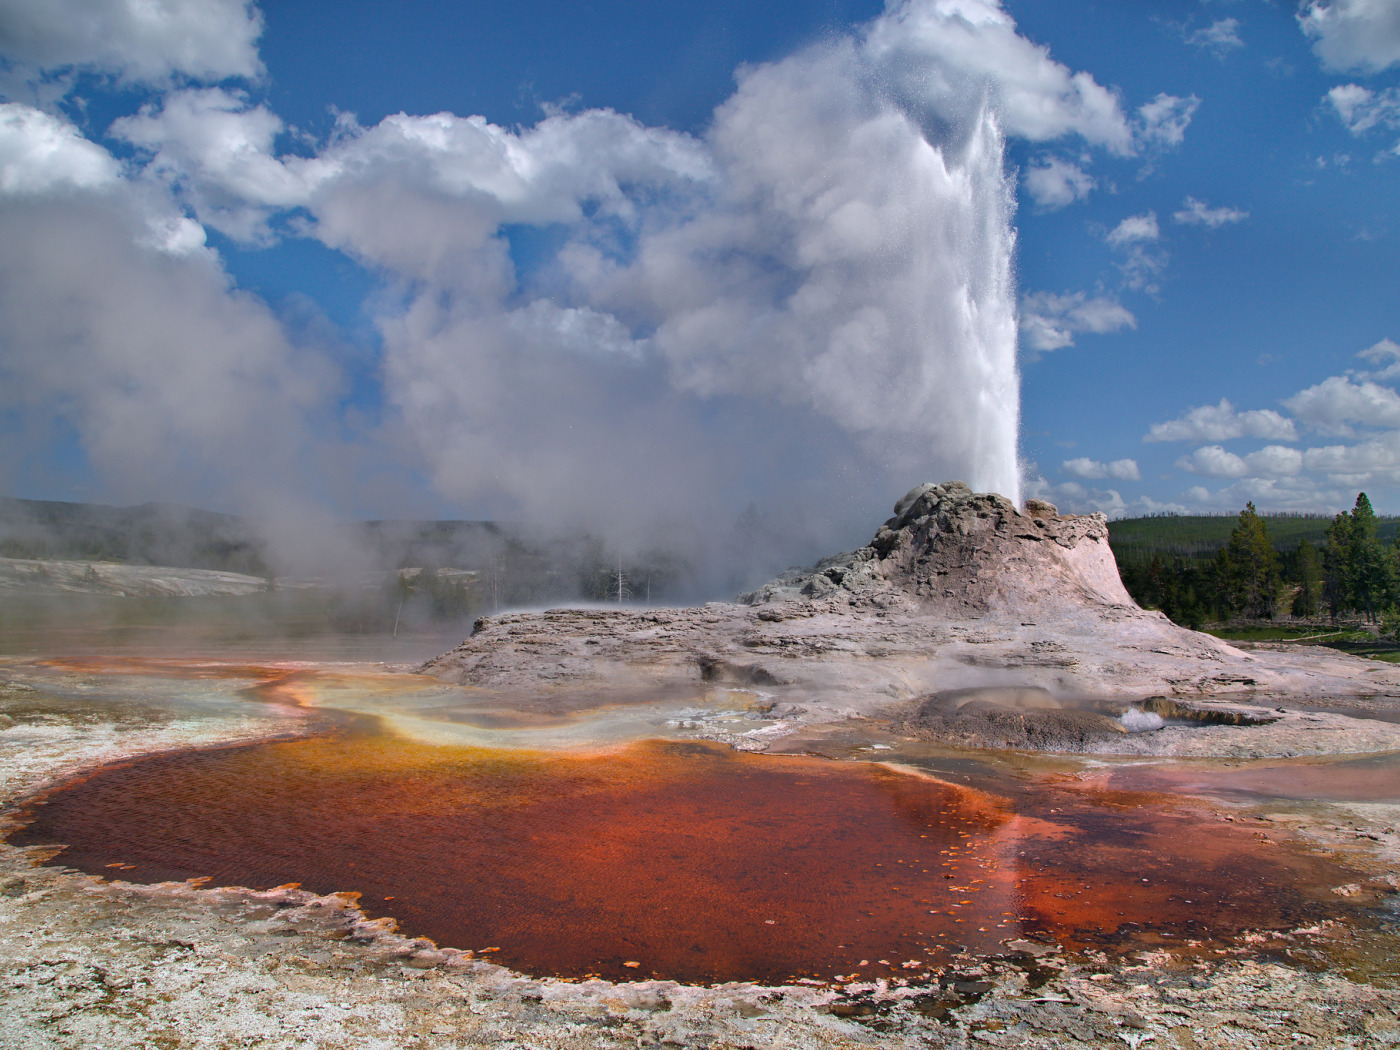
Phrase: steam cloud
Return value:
(809, 306)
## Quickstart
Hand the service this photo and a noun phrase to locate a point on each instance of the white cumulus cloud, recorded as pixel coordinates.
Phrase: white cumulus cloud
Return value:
(1340, 400)
(1054, 183)
(1197, 213)
(1089, 469)
(1050, 321)
(1135, 237)
(1363, 110)
(1301, 492)
(1385, 354)
(1223, 423)
(1135, 229)
(220, 150)
(1220, 37)
(1075, 498)
(40, 153)
(1213, 461)
(1272, 461)
(1310, 478)
(139, 40)
(1370, 461)
(1162, 123)
(1361, 35)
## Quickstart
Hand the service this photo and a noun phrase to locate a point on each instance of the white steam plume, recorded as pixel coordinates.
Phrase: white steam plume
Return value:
(812, 302)
(830, 256)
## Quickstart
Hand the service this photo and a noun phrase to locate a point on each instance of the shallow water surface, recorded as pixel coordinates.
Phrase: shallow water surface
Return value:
(684, 859)
(1332, 778)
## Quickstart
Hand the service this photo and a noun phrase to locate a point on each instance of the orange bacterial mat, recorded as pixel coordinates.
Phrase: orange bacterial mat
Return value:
(694, 861)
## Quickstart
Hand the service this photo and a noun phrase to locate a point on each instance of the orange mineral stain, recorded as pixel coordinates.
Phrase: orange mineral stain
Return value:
(683, 860)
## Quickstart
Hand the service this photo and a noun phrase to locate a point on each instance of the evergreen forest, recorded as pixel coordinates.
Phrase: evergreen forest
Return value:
(1200, 570)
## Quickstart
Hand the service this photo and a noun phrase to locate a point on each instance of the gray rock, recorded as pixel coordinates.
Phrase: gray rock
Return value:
(957, 590)
(948, 549)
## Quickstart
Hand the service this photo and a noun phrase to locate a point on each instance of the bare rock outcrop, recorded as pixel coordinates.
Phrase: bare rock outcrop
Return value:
(957, 591)
(949, 551)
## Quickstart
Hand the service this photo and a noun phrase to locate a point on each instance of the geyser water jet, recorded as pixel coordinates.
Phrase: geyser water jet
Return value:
(589, 323)
(824, 275)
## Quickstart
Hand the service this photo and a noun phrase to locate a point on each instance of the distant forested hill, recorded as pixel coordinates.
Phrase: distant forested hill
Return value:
(454, 566)
(188, 538)
(1261, 566)
(151, 534)
(1198, 537)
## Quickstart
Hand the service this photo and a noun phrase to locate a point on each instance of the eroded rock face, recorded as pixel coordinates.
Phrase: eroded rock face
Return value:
(951, 551)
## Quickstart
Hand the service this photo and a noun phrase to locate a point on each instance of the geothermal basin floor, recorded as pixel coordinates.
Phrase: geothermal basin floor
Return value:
(1237, 937)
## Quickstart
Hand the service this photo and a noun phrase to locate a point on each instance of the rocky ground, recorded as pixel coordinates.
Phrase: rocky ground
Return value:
(88, 963)
(914, 634)
(957, 592)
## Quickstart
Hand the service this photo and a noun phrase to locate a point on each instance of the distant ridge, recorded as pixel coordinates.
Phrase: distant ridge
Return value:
(148, 534)
(1136, 540)
(189, 538)
(514, 564)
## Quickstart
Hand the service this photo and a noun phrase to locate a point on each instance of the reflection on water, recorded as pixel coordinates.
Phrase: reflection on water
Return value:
(1345, 778)
(292, 684)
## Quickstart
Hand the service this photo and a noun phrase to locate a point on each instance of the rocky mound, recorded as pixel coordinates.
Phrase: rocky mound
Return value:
(957, 591)
(954, 552)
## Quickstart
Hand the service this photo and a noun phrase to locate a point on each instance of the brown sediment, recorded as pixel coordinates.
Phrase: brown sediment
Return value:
(699, 863)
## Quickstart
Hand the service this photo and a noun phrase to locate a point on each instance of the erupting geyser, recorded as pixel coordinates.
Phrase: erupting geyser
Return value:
(828, 278)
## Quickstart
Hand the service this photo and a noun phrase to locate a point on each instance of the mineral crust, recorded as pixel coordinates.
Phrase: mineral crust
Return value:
(957, 591)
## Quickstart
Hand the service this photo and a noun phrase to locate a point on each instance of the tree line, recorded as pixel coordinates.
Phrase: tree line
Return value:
(1353, 573)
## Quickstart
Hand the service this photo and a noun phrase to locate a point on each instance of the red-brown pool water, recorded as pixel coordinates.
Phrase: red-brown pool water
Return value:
(689, 860)
(1338, 778)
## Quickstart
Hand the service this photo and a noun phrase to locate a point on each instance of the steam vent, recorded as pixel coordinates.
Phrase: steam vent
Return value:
(961, 612)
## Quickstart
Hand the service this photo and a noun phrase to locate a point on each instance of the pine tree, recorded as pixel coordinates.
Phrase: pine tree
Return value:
(1370, 566)
(1336, 566)
(1219, 586)
(1307, 574)
(1251, 566)
(1153, 589)
(1192, 613)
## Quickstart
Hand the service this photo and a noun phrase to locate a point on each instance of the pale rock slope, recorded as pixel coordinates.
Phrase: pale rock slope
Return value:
(957, 554)
(957, 591)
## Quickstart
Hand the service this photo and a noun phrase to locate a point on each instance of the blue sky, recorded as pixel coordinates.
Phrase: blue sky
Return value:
(626, 262)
